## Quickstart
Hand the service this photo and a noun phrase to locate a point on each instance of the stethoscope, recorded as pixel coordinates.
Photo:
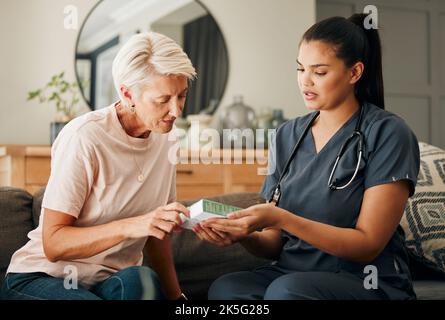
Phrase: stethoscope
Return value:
(357, 134)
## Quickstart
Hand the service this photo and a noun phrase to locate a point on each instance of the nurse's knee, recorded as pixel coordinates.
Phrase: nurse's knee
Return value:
(227, 287)
(295, 286)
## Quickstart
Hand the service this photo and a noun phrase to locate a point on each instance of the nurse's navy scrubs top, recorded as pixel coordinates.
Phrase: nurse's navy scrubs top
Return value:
(391, 154)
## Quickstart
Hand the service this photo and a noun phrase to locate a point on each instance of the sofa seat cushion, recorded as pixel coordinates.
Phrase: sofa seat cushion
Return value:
(15, 223)
(429, 289)
(37, 206)
(424, 218)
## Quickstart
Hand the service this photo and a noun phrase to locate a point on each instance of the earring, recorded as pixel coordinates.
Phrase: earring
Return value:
(132, 109)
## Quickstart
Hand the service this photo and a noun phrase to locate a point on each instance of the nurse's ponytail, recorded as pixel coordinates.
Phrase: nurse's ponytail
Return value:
(353, 42)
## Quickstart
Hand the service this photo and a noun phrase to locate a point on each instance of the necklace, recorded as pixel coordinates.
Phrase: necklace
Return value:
(140, 176)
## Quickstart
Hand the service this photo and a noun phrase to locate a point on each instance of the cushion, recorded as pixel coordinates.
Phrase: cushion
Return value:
(424, 218)
(37, 206)
(429, 290)
(15, 223)
(199, 263)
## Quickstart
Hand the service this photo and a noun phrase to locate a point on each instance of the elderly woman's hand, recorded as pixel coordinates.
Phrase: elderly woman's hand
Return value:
(157, 223)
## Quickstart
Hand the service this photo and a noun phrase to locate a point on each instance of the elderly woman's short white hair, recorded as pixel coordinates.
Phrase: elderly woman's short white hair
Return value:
(147, 54)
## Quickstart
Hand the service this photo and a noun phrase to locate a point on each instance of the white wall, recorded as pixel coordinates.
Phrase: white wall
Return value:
(262, 38)
(35, 46)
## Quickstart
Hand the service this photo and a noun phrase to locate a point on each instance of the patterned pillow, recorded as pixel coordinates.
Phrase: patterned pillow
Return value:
(424, 218)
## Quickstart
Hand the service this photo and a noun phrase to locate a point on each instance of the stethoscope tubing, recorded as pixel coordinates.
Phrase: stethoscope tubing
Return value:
(331, 184)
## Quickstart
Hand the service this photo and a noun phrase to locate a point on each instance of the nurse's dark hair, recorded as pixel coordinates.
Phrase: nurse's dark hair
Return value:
(352, 43)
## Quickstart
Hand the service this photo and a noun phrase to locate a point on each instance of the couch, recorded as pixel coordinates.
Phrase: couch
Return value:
(198, 263)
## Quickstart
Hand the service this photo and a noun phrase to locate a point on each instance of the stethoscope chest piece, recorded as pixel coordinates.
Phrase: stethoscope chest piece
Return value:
(275, 196)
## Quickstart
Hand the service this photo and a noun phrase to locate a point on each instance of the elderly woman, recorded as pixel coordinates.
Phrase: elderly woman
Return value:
(111, 191)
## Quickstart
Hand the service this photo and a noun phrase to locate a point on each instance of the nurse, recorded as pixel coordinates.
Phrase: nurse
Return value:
(326, 221)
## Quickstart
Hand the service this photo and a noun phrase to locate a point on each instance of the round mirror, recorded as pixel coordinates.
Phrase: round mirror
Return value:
(111, 22)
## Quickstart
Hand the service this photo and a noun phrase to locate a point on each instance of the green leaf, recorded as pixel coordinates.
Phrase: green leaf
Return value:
(64, 86)
(33, 94)
(56, 91)
(52, 97)
(53, 80)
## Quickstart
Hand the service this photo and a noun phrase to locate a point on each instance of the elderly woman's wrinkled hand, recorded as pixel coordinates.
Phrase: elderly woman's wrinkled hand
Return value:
(157, 223)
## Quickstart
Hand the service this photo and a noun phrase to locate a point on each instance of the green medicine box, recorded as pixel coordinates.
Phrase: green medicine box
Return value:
(205, 209)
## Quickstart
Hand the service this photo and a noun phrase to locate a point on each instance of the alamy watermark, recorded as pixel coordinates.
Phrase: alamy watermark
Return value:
(71, 17)
(71, 278)
(371, 21)
(371, 281)
(231, 146)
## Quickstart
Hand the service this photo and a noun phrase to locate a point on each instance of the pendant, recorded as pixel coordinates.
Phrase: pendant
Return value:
(140, 178)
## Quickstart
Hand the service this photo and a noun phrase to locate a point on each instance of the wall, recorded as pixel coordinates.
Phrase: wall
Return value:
(174, 31)
(35, 46)
(413, 59)
(262, 37)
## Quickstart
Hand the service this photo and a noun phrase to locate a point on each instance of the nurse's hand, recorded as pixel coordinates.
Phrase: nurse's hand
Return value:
(244, 222)
(215, 237)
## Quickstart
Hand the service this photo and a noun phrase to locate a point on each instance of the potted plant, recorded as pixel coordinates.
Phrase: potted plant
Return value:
(65, 95)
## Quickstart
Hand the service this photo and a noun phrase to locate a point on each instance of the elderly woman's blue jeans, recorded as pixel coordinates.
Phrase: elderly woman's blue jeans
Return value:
(133, 283)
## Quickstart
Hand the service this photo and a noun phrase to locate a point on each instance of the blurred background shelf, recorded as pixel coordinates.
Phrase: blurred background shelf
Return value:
(29, 167)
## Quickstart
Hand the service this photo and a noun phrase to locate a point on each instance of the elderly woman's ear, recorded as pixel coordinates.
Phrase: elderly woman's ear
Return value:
(127, 94)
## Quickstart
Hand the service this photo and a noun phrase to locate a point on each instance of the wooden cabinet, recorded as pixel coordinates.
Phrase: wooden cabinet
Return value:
(227, 172)
(4, 167)
(28, 167)
(193, 180)
(199, 180)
